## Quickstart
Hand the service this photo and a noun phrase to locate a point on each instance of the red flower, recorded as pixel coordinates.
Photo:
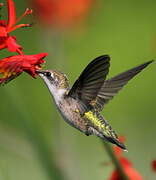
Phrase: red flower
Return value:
(127, 166)
(43, 10)
(131, 173)
(61, 13)
(7, 41)
(13, 66)
(118, 151)
(154, 165)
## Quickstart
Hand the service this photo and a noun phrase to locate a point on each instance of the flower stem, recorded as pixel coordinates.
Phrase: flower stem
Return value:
(115, 160)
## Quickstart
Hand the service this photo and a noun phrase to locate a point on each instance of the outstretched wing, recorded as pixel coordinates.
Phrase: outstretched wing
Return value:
(87, 86)
(112, 86)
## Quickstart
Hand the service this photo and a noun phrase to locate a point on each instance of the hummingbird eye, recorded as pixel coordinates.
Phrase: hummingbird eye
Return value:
(48, 74)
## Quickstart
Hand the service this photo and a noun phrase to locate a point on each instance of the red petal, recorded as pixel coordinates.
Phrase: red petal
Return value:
(14, 65)
(3, 32)
(34, 61)
(11, 14)
(2, 42)
(133, 174)
(12, 45)
(115, 175)
(154, 165)
(62, 13)
(39, 58)
(127, 166)
(2, 46)
(69, 11)
(118, 151)
(128, 169)
(3, 23)
(125, 162)
(1, 4)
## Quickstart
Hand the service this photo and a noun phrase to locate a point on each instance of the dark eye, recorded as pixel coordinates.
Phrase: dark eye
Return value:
(48, 74)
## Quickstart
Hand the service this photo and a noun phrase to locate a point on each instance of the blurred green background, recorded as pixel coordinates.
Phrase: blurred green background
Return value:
(33, 135)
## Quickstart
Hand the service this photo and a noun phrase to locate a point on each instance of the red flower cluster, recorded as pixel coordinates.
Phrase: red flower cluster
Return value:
(127, 166)
(61, 13)
(7, 41)
(11, 67)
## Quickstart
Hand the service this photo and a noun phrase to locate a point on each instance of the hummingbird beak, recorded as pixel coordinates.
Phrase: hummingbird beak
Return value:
(41, 72)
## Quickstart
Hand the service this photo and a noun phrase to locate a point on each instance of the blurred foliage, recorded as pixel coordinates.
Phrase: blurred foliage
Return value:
(31, 131)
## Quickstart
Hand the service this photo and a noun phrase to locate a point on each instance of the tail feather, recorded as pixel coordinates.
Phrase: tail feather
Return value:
(115, 141)
(112, 139)
(101, 128)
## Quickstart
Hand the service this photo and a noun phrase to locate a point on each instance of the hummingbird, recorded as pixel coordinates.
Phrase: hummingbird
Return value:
(80, 105)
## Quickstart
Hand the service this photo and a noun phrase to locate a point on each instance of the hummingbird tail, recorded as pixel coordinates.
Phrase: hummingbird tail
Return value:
(102, 129)
(115, 141)
(112, 139)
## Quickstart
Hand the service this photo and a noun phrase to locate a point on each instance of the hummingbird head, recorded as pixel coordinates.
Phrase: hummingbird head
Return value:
(56, 82)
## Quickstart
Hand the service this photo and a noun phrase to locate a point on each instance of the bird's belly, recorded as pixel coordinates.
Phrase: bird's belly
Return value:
(73, 118)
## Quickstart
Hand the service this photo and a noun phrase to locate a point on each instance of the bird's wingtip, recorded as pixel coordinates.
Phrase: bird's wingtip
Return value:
(151, 61)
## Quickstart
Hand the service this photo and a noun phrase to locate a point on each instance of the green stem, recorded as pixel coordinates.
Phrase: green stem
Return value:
(115, 160)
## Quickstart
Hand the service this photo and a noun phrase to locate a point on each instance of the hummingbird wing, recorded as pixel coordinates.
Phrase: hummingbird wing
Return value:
(87, 86)
(112, 86)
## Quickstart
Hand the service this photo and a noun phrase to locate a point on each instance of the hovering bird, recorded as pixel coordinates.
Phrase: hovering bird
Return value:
(81, 105)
